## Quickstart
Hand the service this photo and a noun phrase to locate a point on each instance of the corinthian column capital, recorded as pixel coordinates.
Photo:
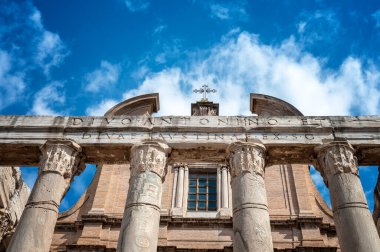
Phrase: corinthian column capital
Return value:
(61, 156)
(149, 156)
(246, 157)
(336, 157)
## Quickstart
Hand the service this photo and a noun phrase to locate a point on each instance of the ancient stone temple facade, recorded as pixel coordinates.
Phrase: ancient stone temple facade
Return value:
(201, 182)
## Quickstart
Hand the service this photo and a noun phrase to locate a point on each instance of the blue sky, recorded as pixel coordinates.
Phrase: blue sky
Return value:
(80, 57)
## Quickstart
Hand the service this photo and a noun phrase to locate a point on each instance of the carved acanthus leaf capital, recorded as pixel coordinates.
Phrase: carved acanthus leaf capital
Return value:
(149, 156)
(6, 224)
(61, 156)
(246, 157)
(336, 157)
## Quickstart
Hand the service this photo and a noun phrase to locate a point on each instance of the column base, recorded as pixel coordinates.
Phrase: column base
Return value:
(177, 212)
(224, 213)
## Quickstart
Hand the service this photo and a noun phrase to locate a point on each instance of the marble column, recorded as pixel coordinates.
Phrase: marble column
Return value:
(140, 224)
(354, 225)
(59, 163)
(251, 225)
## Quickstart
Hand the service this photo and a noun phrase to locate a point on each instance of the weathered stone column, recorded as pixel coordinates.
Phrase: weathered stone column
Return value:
(251, 223)
(140, 225)
(354, 225)
(59, 164)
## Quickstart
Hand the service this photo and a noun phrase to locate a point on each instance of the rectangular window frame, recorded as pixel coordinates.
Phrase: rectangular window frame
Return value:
(202, 191)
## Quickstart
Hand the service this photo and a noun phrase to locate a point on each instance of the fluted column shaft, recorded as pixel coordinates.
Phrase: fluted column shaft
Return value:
(140, 224)
(60, 161)
(354, 224)
(251, 225)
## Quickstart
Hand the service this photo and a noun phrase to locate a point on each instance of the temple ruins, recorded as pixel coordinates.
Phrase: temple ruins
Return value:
(199, 182)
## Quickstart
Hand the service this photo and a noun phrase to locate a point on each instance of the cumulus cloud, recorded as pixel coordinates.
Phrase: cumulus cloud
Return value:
(103, 77)
(137, 5)
(241, 64)
(47, 98)
(12, 83)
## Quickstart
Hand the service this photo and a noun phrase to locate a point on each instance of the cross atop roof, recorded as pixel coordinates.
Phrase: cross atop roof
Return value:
(205, 90)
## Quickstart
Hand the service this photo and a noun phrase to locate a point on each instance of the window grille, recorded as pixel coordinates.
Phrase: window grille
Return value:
(202, 192)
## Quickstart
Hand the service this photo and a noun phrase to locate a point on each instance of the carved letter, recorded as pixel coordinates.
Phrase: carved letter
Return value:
(86, 136)
(77, 121)
(126, 121)
(272, 121)
(203, 121)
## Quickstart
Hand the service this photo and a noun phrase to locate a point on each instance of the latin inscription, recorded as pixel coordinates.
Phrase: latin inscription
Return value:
(191, 121)
(212, 137)
(176, 129)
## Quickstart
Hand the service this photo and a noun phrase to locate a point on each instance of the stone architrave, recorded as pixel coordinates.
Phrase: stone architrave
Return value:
(251, 225)
(59, 163)
(354, 225)
(140, 225)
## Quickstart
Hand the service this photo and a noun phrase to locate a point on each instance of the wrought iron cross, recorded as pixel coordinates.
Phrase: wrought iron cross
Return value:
(205, 90)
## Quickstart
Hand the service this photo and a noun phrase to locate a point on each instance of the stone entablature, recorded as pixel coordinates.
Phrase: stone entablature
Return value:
(291, 139)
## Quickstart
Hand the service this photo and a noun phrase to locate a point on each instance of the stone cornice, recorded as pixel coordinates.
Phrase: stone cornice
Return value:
(107, 220)
(289, 139)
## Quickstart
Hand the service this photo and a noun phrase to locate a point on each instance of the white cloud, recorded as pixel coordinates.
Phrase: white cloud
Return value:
(101, 108)
(230, 11)
(301, 27)
(159, 29)
(103, 77)
(50, 51)
(137, 5)
(27, 49)
(173, 101)
(241, 64)
(313, 26)
(12, 85)
(47, 98)
(376, 17)
(219, 11)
